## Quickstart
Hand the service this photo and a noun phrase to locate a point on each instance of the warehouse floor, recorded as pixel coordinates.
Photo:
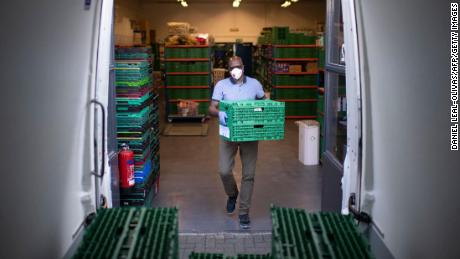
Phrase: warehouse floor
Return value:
(190, 181)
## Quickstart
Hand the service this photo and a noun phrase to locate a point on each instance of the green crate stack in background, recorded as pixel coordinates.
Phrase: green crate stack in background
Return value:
(186, 52)
(253, 120)
(187, 78)
(137, 120)
(132, 233)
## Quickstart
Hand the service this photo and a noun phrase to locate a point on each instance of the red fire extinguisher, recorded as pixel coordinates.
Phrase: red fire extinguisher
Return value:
(126, 166)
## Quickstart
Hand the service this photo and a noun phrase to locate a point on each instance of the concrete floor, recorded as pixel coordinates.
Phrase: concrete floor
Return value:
(190, 181)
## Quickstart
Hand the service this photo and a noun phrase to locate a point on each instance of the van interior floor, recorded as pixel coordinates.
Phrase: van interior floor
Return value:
(190, 181)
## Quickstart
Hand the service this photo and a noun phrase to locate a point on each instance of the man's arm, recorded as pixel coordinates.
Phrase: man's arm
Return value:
(260, 91)
(214, 108)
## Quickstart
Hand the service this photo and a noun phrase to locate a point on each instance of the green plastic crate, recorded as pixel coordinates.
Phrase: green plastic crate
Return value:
(180, 93)
(307, 52)
(299, 234)
(134, 101)
(253, 132)
(191, 52)
(252, 112)
(296, 93)
(132, 233)
(136, 83)
(199, 66)
(121, 64)
(286, 80)
(187, 80)
(301, 108)
(280, 35)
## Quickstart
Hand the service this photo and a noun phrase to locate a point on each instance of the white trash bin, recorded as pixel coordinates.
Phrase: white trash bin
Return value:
(308, 142)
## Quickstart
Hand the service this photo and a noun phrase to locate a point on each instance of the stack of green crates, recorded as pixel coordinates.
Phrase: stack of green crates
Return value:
(132, 233)
(301, 108)
(187, 52)
(194, 66)
(306, 52)
(137, 119)
(287, 80)
(187, 79)
(295, 93)
(299, 234)
(253, 120)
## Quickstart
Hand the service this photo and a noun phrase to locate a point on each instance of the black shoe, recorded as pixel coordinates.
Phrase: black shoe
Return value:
(244, 221)
(231, 202)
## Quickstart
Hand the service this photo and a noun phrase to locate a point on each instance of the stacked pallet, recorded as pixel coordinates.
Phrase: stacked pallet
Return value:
(194, 255)
(153, 233)
(252, 120)
(299, 234)
(138, 121)
(132, 233)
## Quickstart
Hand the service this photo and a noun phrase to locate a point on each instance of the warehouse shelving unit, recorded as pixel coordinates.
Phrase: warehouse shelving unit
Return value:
(284, 63)
(188, 77)
(138, 121)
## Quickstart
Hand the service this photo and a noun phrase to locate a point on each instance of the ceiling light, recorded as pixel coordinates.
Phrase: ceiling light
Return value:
(184, 4)
(294, 1)
(236, 3)
(286, 4)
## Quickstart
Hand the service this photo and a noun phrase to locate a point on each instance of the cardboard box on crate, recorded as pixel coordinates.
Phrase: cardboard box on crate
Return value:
(252, 120)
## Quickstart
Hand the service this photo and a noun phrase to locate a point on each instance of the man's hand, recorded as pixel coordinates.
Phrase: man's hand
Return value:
(223, 118)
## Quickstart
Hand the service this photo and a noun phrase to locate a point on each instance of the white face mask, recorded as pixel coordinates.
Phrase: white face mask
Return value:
(236, 73)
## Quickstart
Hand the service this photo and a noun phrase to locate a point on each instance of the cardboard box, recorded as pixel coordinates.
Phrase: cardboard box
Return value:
(295, 68)
(312, 67)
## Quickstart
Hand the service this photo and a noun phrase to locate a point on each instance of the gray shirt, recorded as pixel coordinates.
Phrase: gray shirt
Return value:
(228, 90)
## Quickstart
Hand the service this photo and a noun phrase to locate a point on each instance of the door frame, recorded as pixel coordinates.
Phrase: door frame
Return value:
(337, 188)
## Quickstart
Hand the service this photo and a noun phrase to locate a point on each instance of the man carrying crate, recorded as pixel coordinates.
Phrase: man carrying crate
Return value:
(238, 87)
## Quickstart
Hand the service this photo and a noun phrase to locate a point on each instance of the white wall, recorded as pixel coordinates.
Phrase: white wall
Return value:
(217, 18)
(47, 75)
(404, 49)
